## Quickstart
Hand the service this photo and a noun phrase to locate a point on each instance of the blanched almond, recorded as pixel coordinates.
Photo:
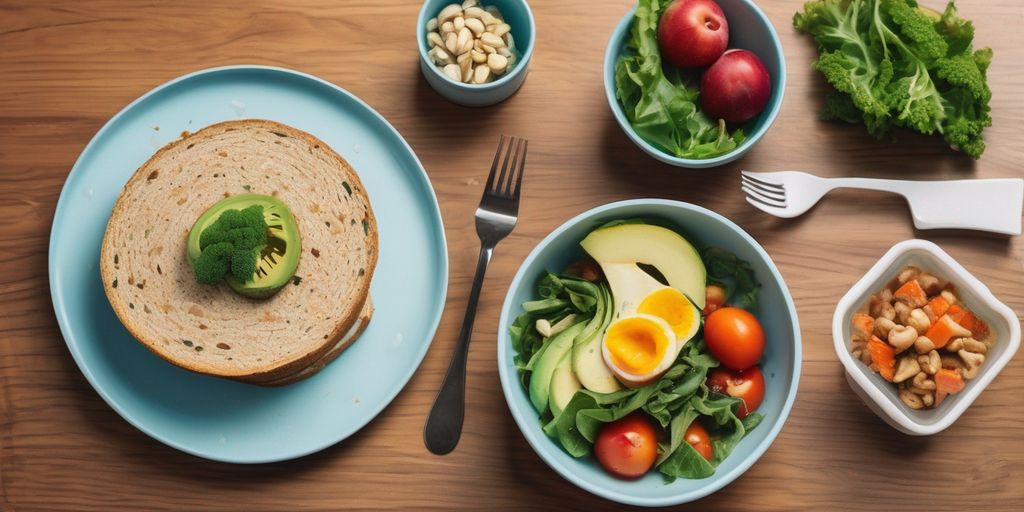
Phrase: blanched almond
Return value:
(434, 39)
(501, 30)
(498, 63)
(492, 40)
(476, 26)
(474, 12)
(452, 71)
(451, 43)
(481, 74)
(449, 12)
(464, 41)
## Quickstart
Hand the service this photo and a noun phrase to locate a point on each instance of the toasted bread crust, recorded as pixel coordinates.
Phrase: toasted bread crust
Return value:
(269, 370)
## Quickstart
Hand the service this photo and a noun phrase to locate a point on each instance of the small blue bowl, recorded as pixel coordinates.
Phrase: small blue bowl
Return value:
(518, 15)
(750, 29)
(780, 363)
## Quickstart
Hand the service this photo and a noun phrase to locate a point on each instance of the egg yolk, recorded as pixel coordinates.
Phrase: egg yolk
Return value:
(636, 345)
(672, 306)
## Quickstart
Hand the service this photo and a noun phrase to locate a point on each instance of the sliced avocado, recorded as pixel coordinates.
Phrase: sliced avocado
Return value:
(540, 379)
(564, 385)
(659, 247)
(587, 363)
(277, 260)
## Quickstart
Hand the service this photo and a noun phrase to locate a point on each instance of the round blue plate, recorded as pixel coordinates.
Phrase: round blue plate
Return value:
(220, 419)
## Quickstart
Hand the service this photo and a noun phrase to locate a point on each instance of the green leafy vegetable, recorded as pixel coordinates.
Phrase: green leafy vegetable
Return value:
(894, 64)
(724, 265)
(662, 105)
(232, 243)
(562, 296)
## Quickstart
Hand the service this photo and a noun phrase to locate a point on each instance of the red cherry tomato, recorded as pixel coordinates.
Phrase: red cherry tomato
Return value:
(747, 385)
(735, 337)
(699, 439)
(714, 298)
(627, 447)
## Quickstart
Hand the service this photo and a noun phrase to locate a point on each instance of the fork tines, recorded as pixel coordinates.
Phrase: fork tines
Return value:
(512, 156)
(764, 192)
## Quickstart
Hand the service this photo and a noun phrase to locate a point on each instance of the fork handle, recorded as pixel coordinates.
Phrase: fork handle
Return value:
(992, 205)
(444, 424)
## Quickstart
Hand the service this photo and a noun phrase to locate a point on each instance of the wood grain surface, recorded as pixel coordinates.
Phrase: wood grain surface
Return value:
(66, 67)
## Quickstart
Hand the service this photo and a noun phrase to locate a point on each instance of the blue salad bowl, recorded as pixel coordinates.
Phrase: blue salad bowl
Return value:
(749, 29)
(519, 17)
(780, 363)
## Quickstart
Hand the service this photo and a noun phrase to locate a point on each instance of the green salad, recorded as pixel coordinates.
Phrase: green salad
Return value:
(662, 102)
(586, 351)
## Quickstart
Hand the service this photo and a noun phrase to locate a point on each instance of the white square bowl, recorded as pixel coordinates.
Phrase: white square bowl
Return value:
(882, 396)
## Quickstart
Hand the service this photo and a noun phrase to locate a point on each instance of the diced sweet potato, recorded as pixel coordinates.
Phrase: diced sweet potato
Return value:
(947, 382)
(945, 329)
(882, 356)
(912, 294)
(863, 325)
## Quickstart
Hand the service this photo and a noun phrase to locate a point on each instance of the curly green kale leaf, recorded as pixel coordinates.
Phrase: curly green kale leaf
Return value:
(893, 63)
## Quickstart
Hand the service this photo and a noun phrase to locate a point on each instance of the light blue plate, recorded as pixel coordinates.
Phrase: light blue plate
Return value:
(780, 362)
(216, 418)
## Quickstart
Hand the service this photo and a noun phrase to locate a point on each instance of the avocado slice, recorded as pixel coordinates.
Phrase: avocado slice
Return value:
(564, 384)
(278, 260)
(662, 248)
(587, 362)
(540, 379)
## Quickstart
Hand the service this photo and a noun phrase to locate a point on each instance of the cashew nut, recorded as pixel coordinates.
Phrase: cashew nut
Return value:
(907, 368)
(923, 345)
(931, 363)
(883, 326)
(877, 304)
(928, 399)
(902, 337)
(929, 283)
(951, 362)
(886, 310)
(543, 327)
(973, 363)
(911, 400)
(921, 381)
(907, 274)
(919, 321)
(973, 345)
(949, 296)
(885, 295)
(902, 312)
(955, 346)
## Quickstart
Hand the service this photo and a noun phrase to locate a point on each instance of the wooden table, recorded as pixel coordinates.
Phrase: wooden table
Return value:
(66, 67)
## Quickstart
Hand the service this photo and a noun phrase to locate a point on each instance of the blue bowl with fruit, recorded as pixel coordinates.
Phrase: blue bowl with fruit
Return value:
(649, 351)
(695, 83)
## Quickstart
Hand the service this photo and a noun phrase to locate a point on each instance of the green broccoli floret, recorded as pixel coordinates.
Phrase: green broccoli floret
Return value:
(232, 243)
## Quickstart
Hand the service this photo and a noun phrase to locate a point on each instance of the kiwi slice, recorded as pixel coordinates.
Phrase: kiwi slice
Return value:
(277, 260)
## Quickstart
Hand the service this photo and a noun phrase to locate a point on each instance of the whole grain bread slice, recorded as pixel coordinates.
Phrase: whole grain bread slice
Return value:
(350, 337)
(209, 328)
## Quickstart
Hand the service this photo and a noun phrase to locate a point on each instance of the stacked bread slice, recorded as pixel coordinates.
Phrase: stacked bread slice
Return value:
(210, 329)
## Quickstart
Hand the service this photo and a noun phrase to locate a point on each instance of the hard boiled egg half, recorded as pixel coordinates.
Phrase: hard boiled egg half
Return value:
(652, 323)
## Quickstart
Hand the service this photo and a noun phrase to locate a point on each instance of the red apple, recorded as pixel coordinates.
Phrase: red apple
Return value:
(693, 33)
(736, 87)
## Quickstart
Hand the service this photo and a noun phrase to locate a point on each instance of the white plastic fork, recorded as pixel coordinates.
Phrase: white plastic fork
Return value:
(992, 205)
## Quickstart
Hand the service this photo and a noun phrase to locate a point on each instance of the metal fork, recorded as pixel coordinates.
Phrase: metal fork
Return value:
(992, 205)
(495, 218)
